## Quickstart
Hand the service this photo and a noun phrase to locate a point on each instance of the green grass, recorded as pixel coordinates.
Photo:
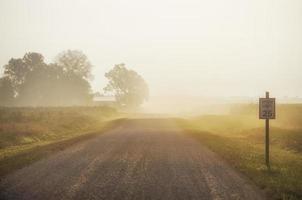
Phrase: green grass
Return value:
(239, 139)
(29, 134)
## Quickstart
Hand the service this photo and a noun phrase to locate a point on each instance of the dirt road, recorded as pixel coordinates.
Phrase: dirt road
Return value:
(140, 159)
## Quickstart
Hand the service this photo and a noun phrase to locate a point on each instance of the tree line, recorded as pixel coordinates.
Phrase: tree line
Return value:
(30, 81)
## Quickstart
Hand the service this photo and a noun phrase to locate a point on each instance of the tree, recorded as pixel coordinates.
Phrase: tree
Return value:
(33, 60)
(76, 73)
(35, 83)
(129, 88)
(76, 62)
(17, 69)
(6, 92)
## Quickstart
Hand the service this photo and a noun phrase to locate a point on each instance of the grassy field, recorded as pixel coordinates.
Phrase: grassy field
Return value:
(239, 139)
(28, 134)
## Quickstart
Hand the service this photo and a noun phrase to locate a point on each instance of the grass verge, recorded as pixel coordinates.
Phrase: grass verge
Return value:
(29, 134)
(243, 147)
(29, 154)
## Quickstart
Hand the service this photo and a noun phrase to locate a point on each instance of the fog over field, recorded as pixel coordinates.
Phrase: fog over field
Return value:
(184, 48)
(151, 99)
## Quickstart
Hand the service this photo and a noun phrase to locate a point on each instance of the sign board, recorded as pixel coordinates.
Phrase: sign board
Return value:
(267, 108)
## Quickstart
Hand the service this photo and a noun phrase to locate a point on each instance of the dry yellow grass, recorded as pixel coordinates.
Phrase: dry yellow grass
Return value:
(239, 139)
(28, 134)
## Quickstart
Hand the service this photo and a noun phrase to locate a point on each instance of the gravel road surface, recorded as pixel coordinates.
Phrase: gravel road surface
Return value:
(139, 159)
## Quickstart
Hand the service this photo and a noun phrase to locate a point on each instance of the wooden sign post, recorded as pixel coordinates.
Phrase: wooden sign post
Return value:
(267, 111)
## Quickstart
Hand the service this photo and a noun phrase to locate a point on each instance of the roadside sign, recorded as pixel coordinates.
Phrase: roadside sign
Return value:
(267, 108)
(267, 111)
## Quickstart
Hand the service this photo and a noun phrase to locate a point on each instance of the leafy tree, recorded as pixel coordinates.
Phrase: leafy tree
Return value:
(76, 62)
(35, 83)
(129, 88)
(6, 92)
(17, 69)
(76, 73)
(33, 60)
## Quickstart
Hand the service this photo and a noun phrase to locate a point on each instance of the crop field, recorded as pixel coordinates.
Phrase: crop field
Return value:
(238, 138)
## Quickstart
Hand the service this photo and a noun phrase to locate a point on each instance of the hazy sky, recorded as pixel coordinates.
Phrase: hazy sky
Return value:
(186, 47)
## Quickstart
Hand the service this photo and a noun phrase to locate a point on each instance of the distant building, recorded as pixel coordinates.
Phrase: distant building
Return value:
(102, 100)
